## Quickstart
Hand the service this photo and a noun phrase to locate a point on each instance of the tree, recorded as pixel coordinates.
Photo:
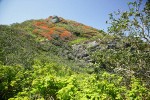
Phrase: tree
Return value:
(135, 22)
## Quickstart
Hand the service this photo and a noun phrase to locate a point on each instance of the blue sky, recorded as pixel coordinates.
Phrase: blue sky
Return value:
(90, 12)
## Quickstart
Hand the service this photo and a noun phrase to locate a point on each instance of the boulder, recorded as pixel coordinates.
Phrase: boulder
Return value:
(54, 19)
(112, 45)
(92, 44)
(80, 51)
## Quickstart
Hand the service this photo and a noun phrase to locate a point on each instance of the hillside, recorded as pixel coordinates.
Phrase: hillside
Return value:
(55, 58)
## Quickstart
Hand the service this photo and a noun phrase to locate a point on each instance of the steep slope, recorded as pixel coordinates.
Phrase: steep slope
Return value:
(76, 42)
(60, 36)
(54, 58)
(16, 46)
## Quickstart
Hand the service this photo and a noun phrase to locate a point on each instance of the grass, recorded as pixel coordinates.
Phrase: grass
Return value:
(77, 41)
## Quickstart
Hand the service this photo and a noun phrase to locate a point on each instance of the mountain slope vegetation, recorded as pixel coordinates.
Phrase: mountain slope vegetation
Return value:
(59, 59)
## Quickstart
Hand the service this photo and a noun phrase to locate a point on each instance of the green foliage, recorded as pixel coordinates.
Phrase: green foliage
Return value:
(16, 46)
(77, 41)
(79, 30)
(131, 56)
(134, 22)
(124, 62)
(71, 28)
(26, 26)
(53, 81)
(11, 80)
(137, 91)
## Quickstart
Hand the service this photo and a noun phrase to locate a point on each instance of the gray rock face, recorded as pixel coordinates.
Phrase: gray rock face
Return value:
(54, 19)
(79, 51)
(112, 45)
(92, 44)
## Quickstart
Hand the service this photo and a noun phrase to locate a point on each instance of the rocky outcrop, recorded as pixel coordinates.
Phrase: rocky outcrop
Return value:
(82, 51)
(54, 19)
(92, 44)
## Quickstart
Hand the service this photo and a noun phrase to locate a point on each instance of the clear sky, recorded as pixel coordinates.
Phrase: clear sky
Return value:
(90, 12)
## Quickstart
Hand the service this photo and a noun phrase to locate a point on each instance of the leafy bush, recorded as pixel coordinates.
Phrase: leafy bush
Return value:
(124, 62)
(56, 82)
(11, 81)
(134, 22)
(16, 46)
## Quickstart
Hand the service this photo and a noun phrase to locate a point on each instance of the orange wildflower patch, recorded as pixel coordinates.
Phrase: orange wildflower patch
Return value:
(87, 27)
(77, 24)
(46, 36)
(65, 34)
(60, 29)
(39, 23)
(45, 27)
(35, 31)
(50, 32)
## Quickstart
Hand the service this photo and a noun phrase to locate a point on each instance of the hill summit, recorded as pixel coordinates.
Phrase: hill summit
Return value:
(57, 27)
